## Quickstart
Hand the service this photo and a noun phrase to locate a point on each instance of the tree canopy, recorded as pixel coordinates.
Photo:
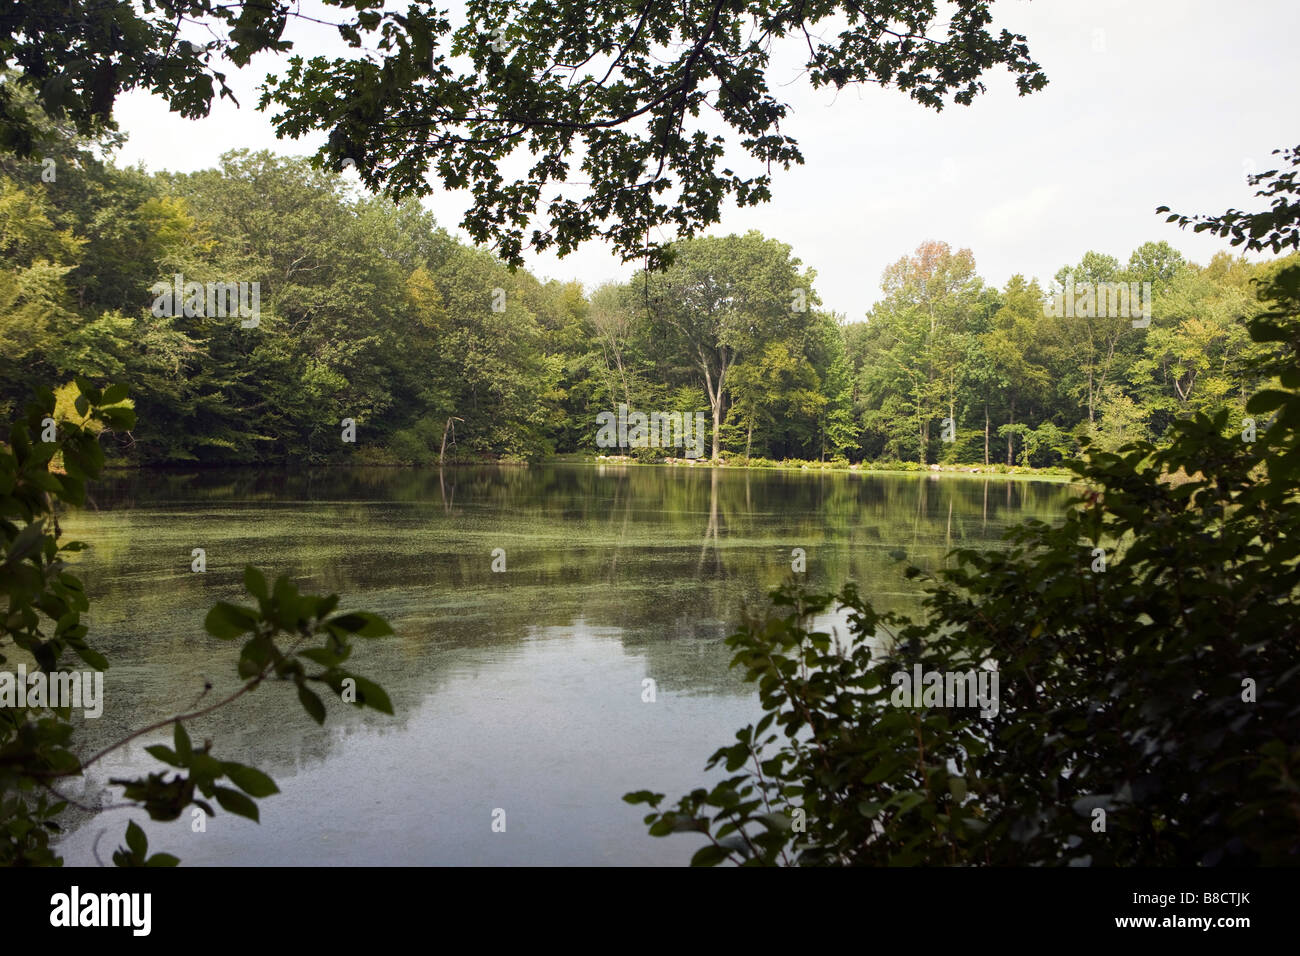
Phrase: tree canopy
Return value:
(614, 108)
(439, 351)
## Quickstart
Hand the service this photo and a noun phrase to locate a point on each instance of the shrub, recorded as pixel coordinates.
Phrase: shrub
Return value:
(1149, 693)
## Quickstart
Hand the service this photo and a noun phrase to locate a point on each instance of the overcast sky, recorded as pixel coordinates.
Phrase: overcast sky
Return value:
(1149, 102)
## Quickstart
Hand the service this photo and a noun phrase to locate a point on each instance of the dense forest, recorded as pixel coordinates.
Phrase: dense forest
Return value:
(370, 312)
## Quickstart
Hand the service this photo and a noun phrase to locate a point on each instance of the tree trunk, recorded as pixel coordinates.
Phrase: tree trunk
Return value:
(923, 433)
(986, 434)
(717, 423)
(1011, 436)
(449, 425)
(715, 398)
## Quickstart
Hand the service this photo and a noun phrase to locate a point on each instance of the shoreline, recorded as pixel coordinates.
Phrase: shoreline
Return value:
(862, 468)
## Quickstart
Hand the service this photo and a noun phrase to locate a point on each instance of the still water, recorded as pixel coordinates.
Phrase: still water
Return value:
(518, 691)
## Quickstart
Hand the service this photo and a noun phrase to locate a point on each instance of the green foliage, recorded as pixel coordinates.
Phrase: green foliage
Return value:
(1160, 688)
(465, 103)
(735, 316)
(371, 312)
(1276, 228)
(136, 851)
(368, 311)
(49, 457)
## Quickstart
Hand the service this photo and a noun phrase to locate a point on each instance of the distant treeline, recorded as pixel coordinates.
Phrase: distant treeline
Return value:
(368, 311)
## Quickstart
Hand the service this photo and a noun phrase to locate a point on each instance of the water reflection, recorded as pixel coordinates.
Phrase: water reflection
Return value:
(520, 691)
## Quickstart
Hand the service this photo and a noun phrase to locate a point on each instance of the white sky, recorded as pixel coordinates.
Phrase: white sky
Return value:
(1149, 102)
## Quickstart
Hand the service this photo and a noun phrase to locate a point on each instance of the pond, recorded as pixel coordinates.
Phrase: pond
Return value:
(519, 694)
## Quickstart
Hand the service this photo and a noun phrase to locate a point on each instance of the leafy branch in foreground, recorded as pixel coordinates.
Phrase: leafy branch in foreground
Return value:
(1148, 710)
(1275, 228)
(616, 89)
(36, 740)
